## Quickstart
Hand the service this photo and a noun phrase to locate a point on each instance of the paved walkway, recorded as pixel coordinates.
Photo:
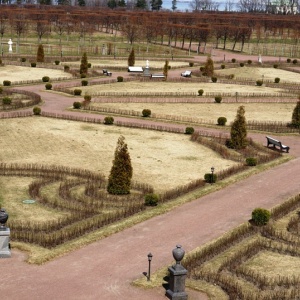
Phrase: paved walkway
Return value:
(105, 269)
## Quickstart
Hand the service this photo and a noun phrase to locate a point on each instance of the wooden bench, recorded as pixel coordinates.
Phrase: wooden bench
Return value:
(275, 143)
(105, 72)
(157, 76)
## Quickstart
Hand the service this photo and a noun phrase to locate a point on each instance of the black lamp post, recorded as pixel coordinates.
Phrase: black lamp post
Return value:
(149, 268)
(212, 174)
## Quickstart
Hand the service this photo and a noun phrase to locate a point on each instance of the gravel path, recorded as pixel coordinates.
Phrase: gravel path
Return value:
(105, 269)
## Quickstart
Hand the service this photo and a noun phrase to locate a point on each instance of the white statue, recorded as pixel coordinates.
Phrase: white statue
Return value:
(10, 45)
(147, 63)
(259, 59)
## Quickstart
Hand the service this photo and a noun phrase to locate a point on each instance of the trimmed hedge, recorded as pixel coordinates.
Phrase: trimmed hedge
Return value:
(260, 216)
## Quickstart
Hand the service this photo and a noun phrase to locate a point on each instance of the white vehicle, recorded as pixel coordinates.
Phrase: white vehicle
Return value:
(186, 73)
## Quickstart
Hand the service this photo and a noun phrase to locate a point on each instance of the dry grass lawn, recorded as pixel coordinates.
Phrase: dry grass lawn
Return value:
(19, 73)
(163, 160)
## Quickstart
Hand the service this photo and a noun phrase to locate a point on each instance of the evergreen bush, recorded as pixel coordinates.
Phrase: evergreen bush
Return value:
(6, 101)
(57, 62)
(40, 56)
(131, 58)
(108, 120)
(120, 79)
(222, 66)
(146, 112)
(249, 61)
(214, 79)
(36, 111)
(48, 86)
(84, 82)
(242, 64)
(276, 80)
(210, 178)
(89, 65)
(46, 79)
(66, 68)
(233, 60)
(77, 92)
(222, 121)
(259, 82)
(33, 64)
(87, 98)
(83, 70)
(218, 99)
(200, 92)
(208, 67)
(295, 61)
(77, 105)
(1, 90)
(6, 82)
(288, 60)
(260, 216)
(151, 199)
(275, 66)
(191, 64)
(189, 130)
(251, 161)
(229, 144)
(238, 132)
(23, 59)
(296, 115)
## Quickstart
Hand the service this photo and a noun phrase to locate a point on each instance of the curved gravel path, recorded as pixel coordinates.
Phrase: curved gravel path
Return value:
(105, 269)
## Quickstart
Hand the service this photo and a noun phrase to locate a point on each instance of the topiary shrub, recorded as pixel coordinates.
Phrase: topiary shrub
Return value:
(288, 60)
(231, 76)
(276, 80)
(251, 161)
(200, 92)
(259, 82)
(202, 69)
(87, 98)
(89, 65)
(23, 59)
(66, 68)
(84, 82)
(146, 112)
(108, 120)
(48, 86)
(77, 92)
(214, 79)
(6, 101)
(33, 64)
(242, 64)
(57, 62)
(260, 216)
(229, 144)
(275, 66)
(295, 61)
(189, 130)
(210, 178)
(191, 64)
(218, 99)
(151, 199)
(83, 75)
(233, 60)
(36, 111)
(222, 121)
(120, 79)
(46, 79)
(249, 61)
(222, 66)
(6, 82)
(77, 105)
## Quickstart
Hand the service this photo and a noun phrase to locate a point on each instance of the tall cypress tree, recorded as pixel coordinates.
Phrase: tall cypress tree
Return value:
(119, 180)
(238, 130)
(209, 67)
(166, 69)
(131, 58)
(83, 64)
(296, 115)
(40, 56)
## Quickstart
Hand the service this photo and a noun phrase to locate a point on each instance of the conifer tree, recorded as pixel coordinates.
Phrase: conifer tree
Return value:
(238, 130)
(83, 64)
(119, 180)
(131, 58)
(209, 67)
(40, 57)
(296, 115)
(166, 69)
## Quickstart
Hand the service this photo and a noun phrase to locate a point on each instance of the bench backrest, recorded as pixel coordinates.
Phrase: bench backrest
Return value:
(135, 69)
(273, 141)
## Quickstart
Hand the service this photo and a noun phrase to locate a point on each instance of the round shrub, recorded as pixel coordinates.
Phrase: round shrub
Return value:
(200, 92)
(36, 111)
(89, 65)
(259, 82)
(84, 82)
(201, 69)
(6, 101)
(210, 178)
(146, 112)
(288, 60)
(275, 66)
(46, 79)
(214, 79)
(249, 61)
(66, 68)
(120, 79)
(77, 105)
(57, 62)
(233, 60)
(260, 216)
(33, 64)
(77, 92)
(222, 121)
(276, 80)
(108, 120)
(48, 86)
(189, 130)
(222, 66)
(6, 82)
(87, 98)
(82, 75)
(1, 90)
(251, 161)
(218, 99)
(191, 64)
(229, 144)
(242, 64)
(295, 61)
(151, 199)
(231, 76)
(23, 59)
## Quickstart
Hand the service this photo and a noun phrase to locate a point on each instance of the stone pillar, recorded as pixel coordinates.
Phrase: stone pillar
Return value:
(4, 243)
(178, 274)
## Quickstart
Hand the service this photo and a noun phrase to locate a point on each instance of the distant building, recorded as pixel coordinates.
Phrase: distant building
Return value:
(282, 7)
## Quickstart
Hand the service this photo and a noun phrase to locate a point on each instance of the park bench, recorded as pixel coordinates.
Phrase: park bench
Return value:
(105, 72)
(186, 74)
(157, 76)
(135, 69)
(275, 143)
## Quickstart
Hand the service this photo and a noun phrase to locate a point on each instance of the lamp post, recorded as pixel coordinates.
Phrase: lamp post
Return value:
(149, 267)
(212, 175)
